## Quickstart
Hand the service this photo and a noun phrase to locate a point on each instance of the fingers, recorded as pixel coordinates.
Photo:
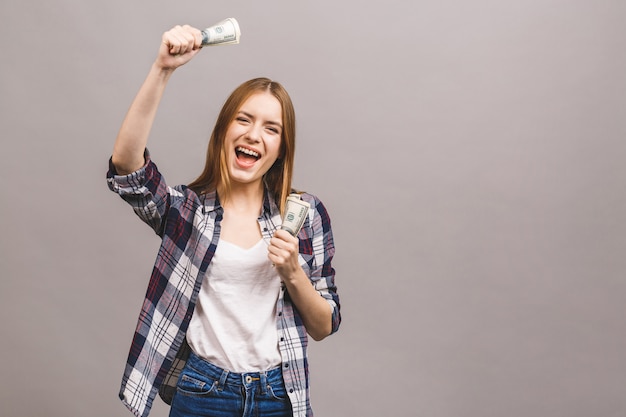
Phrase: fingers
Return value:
(182, 39)
(283, 247)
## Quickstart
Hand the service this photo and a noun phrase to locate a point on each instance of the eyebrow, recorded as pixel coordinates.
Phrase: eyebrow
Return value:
(271, 122)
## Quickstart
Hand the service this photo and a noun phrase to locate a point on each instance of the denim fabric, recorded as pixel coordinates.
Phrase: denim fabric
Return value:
(205, 390)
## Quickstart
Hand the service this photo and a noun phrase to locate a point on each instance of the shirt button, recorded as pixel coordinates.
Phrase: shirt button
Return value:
(290, 390)
(286, 365)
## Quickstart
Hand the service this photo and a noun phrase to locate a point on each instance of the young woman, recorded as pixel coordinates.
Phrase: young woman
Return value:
(231, 299)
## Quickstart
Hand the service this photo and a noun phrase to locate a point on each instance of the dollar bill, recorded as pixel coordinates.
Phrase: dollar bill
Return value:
(225, 32)
(296, 211)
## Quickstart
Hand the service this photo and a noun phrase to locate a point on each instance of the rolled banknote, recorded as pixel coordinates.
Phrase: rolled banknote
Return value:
(225, 32)
(296, 211)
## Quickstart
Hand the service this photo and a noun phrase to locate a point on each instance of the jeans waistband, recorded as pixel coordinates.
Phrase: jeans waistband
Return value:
(234, 378)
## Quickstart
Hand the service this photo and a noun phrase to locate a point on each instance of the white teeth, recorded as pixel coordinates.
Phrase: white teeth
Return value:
(248, 152)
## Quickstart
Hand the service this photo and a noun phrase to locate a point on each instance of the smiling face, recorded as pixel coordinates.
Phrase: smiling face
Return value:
(226, 167)
(253, 139)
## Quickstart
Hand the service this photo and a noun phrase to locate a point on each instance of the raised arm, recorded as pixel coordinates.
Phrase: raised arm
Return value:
(178, 46)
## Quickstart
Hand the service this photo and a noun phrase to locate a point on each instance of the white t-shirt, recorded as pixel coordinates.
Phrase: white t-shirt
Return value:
(234, 323)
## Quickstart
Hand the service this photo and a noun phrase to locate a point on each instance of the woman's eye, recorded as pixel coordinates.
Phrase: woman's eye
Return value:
(273, 130)
(242, 119)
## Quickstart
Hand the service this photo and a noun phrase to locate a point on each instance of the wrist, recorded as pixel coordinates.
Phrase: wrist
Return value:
(161, 71)
(293, 276)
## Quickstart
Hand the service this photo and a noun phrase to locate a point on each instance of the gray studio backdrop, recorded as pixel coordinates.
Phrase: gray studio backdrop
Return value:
(471, 155)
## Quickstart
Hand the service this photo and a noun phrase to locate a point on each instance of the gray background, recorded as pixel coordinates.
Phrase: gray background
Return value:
(471, 154)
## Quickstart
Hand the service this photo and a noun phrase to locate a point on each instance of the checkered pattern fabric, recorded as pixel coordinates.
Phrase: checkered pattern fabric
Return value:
(189, 227)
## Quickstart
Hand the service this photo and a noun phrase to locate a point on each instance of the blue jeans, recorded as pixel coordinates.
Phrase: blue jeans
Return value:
(205, 390)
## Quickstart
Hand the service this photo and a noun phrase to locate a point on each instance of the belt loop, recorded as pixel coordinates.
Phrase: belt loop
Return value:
(263, 377)
(222, 382)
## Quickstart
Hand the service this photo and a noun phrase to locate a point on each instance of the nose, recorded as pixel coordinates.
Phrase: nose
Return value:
(254, 132)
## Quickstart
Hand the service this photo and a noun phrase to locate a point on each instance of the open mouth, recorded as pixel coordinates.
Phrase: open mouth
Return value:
(247, 156)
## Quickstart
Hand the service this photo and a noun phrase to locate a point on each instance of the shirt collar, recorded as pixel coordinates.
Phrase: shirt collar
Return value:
(269, 204)
(210, 201)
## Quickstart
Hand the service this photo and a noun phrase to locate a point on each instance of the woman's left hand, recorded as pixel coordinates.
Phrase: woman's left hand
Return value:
(283, 252)
(314, 310)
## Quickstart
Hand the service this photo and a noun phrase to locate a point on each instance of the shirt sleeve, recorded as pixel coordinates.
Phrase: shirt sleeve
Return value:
(322, 275)
(145, 190)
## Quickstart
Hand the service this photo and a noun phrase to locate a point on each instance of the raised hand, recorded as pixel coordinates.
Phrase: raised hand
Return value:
(178, 46)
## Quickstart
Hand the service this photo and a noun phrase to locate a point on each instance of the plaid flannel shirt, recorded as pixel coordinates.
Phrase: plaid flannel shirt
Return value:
(189, 226)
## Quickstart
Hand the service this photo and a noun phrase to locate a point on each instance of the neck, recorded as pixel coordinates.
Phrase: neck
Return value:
(244, 198)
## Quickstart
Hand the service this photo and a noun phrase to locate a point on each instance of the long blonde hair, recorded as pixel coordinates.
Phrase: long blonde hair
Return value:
(278, 178)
